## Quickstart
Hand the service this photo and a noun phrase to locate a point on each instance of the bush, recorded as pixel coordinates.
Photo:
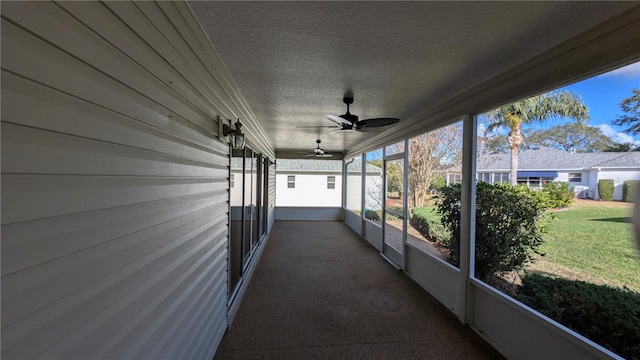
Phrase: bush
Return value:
(628, 190)
(438, 183)
(557, 195)
(605, 189)
(429, 223)
(509, 225)
(606, 315)
(371, 215)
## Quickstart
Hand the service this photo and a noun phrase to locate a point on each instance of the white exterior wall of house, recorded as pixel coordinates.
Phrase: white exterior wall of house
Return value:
(593, 184)
(310, 190)
(619, 176)
(581, 188)
(114, 183)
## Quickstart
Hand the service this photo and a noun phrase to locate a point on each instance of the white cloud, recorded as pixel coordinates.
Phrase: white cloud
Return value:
(619, 137)
(631, 71)
(607, 130)
(481, 128)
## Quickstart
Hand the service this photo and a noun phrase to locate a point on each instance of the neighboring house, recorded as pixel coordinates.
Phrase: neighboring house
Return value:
(581, 170)
(316, 183)
(301, 182)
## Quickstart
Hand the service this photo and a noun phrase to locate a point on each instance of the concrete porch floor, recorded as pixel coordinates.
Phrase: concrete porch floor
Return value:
(321, 292)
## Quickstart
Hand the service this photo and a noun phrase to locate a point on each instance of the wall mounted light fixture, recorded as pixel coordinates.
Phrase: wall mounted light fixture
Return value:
(236, 137)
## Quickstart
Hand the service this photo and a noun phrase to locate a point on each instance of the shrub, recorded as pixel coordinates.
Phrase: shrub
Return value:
(509, 225)
(606, 315)
(605, 189)
(371, 215)
(628, 190)
(557, 194)
(438, 183)
(429, 223)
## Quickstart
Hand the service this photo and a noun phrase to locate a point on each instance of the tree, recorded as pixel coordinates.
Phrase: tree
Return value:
(429, 155)
(624, 147)
(395, 179)
(631, 118)
(539, 108)
(571, 136)
(493, 144)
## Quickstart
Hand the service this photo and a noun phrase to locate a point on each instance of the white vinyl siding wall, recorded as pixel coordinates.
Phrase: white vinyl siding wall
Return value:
(310, 191)
(114, 184)
(619, 176)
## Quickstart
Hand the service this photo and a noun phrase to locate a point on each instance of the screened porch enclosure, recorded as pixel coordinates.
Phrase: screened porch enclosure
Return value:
(133, 229)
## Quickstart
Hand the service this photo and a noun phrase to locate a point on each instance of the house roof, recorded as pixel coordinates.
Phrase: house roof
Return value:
(302, 165)
(547, 158)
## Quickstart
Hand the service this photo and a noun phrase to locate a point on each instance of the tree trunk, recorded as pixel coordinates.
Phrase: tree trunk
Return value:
(513, 177)
(515, 139)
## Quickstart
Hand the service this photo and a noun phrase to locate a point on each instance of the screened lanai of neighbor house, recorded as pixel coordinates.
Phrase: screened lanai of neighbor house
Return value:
(134, 217)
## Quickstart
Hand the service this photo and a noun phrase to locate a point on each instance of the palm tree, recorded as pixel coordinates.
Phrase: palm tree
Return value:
(539, 108)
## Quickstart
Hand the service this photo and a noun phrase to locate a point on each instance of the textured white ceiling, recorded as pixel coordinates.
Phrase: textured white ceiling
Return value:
(293, 61)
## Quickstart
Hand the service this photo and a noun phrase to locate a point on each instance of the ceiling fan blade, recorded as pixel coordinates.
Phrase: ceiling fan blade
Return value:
(338, 120)
(325, 155)
(376, 122)
(370, 129)
(310, 155)
(317, 126)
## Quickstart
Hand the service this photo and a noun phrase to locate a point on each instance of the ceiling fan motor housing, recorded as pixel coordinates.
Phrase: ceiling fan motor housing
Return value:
(348, 100)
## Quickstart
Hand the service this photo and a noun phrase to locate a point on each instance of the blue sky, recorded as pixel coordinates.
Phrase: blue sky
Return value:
(603, 94)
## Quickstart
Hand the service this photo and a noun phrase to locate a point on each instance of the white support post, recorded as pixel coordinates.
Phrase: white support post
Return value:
(344, 185)
(468, 218)
(405, 203)
(363, 190)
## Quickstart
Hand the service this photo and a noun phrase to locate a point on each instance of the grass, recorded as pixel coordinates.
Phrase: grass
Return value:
(592, 241)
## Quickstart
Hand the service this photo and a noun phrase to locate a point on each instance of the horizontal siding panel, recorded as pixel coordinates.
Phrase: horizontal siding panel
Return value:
(37, 286)
(33, 197)
(101, 301)
(36, 242)
(203, 334)
(33, 59)
(144, 48)
(122, 332)
(34, 105)
(45, 152)
(181, 321)
(167, 43)
(51, 23)
(115, 186)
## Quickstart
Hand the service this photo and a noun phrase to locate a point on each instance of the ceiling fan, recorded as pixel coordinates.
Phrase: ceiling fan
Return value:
(350, 121)
(318, 152)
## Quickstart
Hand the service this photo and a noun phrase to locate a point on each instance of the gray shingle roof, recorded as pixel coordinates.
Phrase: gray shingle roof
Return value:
(552, 159)
(301, 165)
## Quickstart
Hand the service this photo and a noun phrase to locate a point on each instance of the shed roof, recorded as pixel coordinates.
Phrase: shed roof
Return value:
(311, 165)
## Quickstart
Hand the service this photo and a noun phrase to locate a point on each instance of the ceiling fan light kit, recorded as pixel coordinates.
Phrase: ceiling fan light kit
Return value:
(318, 152)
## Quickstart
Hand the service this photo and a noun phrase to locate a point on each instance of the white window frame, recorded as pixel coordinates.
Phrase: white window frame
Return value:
(572, 177)
(331, 183)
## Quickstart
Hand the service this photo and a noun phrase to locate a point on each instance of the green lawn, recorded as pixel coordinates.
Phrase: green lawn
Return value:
(592, 241)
